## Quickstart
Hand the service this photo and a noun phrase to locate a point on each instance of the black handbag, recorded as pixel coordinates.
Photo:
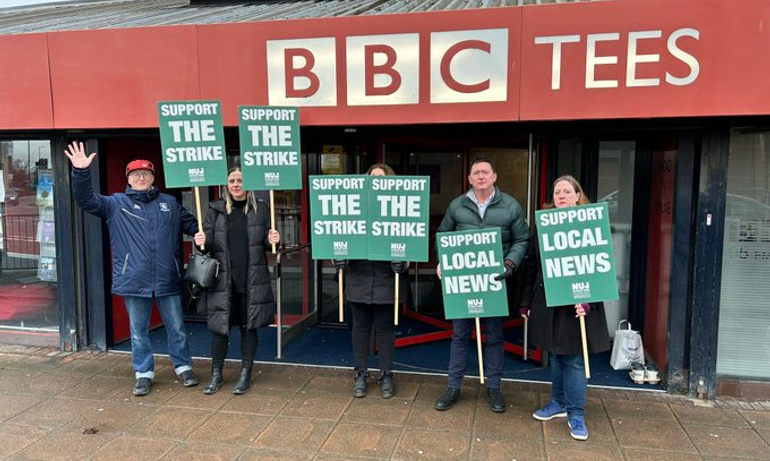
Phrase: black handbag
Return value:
(202, 270)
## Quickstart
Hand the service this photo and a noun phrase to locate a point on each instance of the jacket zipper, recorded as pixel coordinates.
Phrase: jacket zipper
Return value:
(132, 214)
(125, 264)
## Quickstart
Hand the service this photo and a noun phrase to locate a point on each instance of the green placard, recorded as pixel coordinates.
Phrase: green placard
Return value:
(339, 215)
(399, 210)
(576, 254)
(270, 147)
(193, 143)
(470, 261)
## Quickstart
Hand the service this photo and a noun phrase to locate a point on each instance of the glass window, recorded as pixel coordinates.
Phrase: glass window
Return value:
(28, 285)
(743, 346)
(616, 187)
(512, 170)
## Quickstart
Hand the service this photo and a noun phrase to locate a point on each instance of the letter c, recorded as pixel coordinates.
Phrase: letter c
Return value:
(446, 61)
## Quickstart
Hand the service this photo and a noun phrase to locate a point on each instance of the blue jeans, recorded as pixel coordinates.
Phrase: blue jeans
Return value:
(569, 383)
(493, 350)
(170, 308)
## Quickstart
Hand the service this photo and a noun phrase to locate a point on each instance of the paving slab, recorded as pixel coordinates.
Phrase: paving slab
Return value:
(432, 446)
(650, 434)
(688, 414)
(64, 445)
(728, 441)
(295, 434)
(369, 440)
(486, 447)
(14, 438)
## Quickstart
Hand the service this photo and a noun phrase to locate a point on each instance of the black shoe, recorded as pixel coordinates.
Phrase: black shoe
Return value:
(359, 383)
(244, 382)
(447, 401)
(216, 381)
(188, 378)
(142, 386)
(387, 387)
(496, 401)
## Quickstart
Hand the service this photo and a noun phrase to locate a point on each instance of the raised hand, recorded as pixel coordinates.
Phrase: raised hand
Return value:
(77, 155)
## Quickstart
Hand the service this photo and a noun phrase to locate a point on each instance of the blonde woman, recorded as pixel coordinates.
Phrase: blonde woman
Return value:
(237, 233)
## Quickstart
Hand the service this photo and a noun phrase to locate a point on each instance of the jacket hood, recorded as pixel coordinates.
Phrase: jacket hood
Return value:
(218, 205)
(144, 196)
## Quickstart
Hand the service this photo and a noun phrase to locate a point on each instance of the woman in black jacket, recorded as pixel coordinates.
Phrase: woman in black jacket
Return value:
(370, 294)
(557, 329)
(237, 233)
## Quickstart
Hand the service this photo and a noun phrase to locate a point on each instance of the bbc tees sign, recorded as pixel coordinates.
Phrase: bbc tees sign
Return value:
(662, 59)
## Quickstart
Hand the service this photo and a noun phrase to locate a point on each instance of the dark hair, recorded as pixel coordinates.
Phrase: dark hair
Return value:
(381, 166)
(484, 160)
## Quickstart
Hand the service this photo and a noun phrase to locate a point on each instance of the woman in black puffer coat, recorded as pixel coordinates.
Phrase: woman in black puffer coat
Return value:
(237, 233)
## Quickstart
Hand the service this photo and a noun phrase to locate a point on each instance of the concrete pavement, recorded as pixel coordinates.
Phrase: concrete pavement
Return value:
(79, 406)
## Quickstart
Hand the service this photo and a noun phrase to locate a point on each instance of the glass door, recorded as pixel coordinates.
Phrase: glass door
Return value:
(444, 166)
(28, 272)
(615, 185)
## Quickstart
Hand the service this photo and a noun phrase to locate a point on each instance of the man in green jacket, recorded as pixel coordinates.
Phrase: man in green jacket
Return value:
(483, 206)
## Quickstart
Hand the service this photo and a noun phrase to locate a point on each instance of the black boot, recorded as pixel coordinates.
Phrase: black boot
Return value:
(244, 382)
(359, 383)
(216, 381)
(387, 387)
(448, 399)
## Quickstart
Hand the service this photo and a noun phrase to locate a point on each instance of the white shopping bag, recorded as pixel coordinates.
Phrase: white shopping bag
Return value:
(627, 348)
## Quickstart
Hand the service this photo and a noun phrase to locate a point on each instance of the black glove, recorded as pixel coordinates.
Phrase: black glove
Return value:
(340, 264)
(509, 268)
(399, 267)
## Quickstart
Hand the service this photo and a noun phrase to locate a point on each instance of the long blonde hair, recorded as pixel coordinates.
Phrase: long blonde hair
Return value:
(251, 202)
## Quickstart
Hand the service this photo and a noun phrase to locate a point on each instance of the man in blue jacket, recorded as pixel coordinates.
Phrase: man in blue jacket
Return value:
(483, 206)
(145, 228)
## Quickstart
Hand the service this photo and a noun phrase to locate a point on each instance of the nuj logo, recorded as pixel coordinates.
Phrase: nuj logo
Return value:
(398, 249)
(196, 174)
(272, 178)
(581, 289)
(340, 248)
(475, 306)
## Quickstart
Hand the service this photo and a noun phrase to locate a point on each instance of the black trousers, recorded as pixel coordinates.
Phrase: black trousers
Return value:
(220, 342)
(379, 316)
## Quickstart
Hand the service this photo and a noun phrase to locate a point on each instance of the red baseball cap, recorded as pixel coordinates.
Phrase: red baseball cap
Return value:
(140, 165)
